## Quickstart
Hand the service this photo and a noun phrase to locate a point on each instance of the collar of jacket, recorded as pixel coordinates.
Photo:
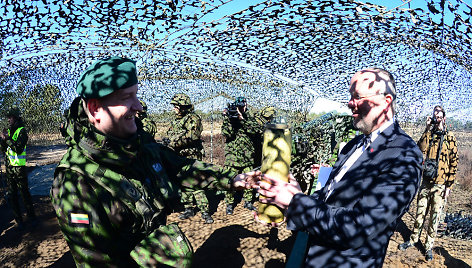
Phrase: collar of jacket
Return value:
(18, 123)
(95, 145)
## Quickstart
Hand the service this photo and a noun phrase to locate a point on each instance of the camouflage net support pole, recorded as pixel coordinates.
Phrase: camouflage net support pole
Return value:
(276, 159)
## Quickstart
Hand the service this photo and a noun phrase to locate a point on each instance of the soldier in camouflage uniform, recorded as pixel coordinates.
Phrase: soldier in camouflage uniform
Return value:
(13, 144)
(263, 117)
(434, 191)
(148, 124)
(114, 187)
(185, 137)
(240, 130)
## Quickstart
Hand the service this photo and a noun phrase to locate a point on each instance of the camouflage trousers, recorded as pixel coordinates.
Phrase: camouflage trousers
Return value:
(200, 199)
(248, 194)
(430, 200)
(17, 181)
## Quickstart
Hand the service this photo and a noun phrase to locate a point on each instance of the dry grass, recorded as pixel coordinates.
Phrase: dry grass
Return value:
(464, 173)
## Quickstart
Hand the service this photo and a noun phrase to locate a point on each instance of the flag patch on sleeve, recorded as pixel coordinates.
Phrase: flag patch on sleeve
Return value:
(79, 218)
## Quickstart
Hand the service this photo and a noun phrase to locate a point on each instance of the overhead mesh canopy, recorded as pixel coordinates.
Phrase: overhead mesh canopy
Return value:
(283, 53)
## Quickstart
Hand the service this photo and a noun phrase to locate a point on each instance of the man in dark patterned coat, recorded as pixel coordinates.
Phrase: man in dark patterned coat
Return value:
(185, 137)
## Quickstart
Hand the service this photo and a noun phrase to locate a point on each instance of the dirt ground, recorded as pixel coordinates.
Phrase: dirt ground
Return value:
(231, 241)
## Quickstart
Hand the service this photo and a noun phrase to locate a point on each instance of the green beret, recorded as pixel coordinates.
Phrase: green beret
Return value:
(105, 76)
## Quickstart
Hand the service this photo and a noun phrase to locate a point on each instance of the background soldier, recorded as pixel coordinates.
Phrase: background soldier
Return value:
(185, 137)
(263, 117)
(439, 147)
(148, 124)
(240, 131)
(13, 143)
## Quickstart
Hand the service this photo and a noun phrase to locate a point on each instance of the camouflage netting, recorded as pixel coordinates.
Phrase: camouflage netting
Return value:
(283, 53)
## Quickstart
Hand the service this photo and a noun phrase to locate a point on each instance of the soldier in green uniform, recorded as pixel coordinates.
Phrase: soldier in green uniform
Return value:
(148, 124)
(13, 144)
(115, 185)
(434, 189)
(240, 129)
(262, 117)
(185, 137)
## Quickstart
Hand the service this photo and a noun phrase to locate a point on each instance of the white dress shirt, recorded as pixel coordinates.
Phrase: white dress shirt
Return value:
(363, 144)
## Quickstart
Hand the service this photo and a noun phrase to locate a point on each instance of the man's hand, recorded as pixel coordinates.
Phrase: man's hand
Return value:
(4, 134)
(278, 192)
(428, 123)
(247, 180)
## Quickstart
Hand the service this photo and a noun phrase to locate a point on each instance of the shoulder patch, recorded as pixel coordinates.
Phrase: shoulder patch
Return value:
(79, 219)
(157, 167)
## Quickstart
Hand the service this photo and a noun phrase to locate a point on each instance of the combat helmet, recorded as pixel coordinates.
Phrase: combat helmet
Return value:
(240, 101)
(181, 99)
(268, 112)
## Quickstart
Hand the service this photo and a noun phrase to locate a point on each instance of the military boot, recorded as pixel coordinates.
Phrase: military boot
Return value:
(249, 206)
(405, 245)
(188, 212)
(429, 255)
(229, 209)
(207, 217)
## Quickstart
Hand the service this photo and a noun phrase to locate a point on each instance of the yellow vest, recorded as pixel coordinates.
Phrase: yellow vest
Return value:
(16, 160)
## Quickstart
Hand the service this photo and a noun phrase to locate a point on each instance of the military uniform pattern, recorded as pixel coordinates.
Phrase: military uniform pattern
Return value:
(185, 134)
(448, 160)
(111, 196)
(16, 176)
(239, 148)
(431, 195)
(148, 124)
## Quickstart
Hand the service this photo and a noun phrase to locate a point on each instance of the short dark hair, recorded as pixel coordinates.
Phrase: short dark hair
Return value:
(440, 108)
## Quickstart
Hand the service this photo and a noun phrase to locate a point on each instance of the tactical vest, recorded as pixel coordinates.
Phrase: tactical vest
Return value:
(16, 160)
(142, 202)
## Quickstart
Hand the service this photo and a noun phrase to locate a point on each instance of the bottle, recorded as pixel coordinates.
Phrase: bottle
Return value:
(276, 159)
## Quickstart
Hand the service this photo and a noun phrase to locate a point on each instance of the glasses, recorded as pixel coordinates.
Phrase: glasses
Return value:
(358, 98)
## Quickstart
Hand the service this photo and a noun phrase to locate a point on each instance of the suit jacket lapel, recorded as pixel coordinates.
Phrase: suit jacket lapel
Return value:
(367, 157)
(341, 160)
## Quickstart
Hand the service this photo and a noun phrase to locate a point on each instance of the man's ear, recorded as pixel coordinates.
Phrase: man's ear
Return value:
(389, 99)
(93, 106)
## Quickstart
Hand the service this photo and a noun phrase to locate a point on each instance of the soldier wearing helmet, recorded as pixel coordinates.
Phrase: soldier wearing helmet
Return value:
(240, 130)
(185, 137)
(148, 124)
(13, 144)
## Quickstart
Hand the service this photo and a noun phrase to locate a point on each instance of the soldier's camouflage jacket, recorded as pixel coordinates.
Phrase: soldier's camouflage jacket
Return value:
(148, 124)
(17, 146)
(448, 160)
(239, 140)
(185, 134)
(111, 195)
